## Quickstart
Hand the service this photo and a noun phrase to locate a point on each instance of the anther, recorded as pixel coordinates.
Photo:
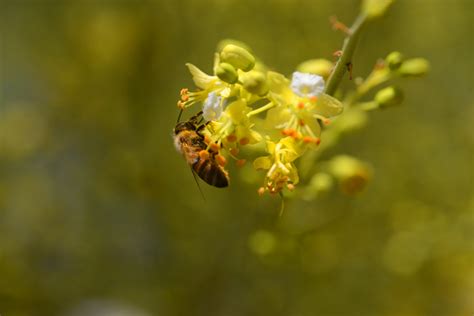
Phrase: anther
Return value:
(234, 151)
(290, 186)
(204, 154)
(244, 141)
(231, 138)
(185, 97)
(313, 98)
(184, 91)
(240, 162)
(261, 191)
(181, 105)
(300, 105)
(288, 131)
(301, 122)
(215, 147)
(221, 160)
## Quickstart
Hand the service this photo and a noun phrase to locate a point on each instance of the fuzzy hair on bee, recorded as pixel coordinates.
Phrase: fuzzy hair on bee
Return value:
(190, 143)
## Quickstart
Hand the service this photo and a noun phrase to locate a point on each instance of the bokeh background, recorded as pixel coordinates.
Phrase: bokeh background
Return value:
(100, 216)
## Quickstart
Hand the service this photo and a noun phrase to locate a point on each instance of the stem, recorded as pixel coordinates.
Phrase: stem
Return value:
(261, 109)
(348, 49)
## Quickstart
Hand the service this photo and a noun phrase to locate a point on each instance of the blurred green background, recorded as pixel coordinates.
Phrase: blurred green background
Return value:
(100, 216)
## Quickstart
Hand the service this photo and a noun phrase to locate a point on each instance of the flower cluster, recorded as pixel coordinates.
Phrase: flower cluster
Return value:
(245, 104)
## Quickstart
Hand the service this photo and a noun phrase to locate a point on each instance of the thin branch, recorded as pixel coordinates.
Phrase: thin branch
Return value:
(345, 60)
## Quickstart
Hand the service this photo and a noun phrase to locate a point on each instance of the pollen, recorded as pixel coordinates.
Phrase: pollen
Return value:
(240, 162)
(204, 154)
(244, 141)
(221, 160)
(231, 138)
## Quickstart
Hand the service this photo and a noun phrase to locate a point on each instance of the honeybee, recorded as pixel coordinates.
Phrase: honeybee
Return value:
(190, 143)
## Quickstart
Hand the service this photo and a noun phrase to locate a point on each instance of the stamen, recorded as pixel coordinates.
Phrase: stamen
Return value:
(301, 122)
(290, 186)
(261, 191)
(184, 91)
(300, 105)
(313, 99)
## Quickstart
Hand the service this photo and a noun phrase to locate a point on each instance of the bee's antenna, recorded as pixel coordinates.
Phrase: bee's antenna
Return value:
(179, 116)
(197, 183)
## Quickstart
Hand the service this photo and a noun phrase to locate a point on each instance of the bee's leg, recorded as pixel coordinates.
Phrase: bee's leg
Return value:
(195, 117)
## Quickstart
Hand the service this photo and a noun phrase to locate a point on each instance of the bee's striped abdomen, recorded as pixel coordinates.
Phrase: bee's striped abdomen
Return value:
(211, 173)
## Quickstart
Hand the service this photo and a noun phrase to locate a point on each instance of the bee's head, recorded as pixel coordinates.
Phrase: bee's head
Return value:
(184, 126)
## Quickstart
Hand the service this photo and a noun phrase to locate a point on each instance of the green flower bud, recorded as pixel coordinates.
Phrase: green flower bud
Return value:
(394, 60)
(322, 67)
(255, 82)
(414, 67)
(227, 73)
(390, 96)
(229, 41)
(353, 175)
(238, 57)
(375, 8)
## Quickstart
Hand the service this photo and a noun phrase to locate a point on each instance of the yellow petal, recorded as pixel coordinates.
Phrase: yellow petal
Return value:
(262, 163)
(328, 106)
(200, 78)
(237, 111)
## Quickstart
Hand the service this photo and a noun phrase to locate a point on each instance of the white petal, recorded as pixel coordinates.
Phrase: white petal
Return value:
(307, 85)
(212, 109)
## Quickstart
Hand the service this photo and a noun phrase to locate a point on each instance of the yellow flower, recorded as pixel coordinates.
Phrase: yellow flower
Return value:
(234, 126)
(281, 170)
(300, 106)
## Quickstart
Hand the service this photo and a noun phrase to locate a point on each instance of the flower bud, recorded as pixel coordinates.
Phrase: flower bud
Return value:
(375, 8)
(414, 67)
(227, 73)
(321, 183)
(394, 60)
(321, 67)
(255, 82)
(390, 96)
(223, 43)
(352, 174)
(238, 57)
